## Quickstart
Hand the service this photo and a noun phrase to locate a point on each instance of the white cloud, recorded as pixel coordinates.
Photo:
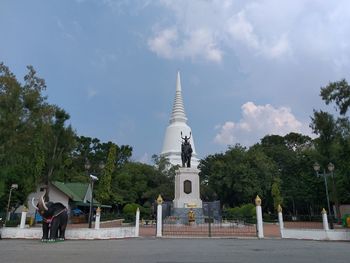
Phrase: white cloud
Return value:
(240, 29)
(199, 43)
(267, 29)
(162, 43)
(258, 121)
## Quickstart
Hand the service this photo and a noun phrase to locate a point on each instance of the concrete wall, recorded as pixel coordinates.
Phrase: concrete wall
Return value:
(78, 233)
(316, 234)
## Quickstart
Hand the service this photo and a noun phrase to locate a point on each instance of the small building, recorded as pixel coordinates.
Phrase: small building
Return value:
(75, 196)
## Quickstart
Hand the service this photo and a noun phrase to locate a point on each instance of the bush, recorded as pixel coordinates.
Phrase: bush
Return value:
(245, 212)
(129, 212)
(130, 209)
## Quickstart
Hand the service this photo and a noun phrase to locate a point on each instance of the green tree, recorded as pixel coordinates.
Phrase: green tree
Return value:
(298, 186)
(237, 176)
(34, 138)
(104, 190)
(339, 92)
(276, 193)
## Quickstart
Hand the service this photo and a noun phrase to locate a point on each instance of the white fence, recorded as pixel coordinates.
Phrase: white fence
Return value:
(313, 234)
(75, 233)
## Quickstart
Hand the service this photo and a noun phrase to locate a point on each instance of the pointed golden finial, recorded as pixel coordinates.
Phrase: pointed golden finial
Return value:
(323, 211)
(159, 200)
(257, 201)
(279, 209)
(98, 210)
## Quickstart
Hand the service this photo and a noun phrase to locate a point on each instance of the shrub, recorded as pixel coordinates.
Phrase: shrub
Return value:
(130, 209)
(245, 212)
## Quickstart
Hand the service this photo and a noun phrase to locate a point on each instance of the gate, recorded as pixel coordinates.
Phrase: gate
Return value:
(207, 227)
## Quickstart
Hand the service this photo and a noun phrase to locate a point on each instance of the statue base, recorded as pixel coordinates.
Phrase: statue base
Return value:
(187, 189)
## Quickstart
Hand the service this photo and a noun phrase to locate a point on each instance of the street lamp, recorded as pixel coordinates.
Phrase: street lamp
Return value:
(93, 178)
(324, 174)
(335, 194)
(13, 187)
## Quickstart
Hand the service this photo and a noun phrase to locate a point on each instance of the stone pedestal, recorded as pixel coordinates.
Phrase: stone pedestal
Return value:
(187, 189)
(187, 195)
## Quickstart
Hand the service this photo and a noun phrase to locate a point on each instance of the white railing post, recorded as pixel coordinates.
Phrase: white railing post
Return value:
(98, 218)
(23, 218)
(259, 219)
(280, 219)
(159, 216)
(137, 223)
(325, 219)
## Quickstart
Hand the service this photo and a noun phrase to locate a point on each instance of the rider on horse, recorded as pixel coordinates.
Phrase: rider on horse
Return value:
(186, 151)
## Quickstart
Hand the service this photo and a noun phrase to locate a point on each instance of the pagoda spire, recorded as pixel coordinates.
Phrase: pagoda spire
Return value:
(177, 126)
(178, 114)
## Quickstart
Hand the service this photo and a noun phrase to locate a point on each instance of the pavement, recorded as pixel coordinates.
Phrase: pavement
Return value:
(153, 250)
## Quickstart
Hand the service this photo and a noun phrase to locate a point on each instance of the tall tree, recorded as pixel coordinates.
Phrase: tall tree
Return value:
(104, 190)
(28, 126)
(236, 176)
(339, 92)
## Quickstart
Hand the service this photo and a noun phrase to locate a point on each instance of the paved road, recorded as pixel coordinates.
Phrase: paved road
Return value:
(153, 250)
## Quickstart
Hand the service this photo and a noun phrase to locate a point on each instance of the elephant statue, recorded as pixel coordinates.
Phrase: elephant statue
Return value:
(55, 219)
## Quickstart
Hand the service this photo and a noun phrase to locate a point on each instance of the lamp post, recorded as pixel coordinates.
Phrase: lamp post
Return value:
(13, 187)
(93, 178)
(335, 194)
(324, 174)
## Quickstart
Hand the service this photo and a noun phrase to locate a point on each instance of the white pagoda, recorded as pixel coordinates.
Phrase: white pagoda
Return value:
(177, 124)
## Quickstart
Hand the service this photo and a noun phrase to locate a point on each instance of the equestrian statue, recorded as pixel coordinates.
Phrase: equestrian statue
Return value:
(186, 151)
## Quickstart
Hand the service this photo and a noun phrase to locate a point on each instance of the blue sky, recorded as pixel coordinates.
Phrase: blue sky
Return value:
(248, 68)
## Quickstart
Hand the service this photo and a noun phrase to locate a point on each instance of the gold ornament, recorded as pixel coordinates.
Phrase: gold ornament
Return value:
(257, 201)
(159, 200)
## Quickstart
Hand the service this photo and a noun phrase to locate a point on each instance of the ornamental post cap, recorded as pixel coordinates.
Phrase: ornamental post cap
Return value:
(25, 209)
(279, 209)
(323, 211)
(159, 200)
(98, 210)
(257, 201)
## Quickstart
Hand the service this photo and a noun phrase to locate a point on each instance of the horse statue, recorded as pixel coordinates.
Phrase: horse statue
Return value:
(186, 151)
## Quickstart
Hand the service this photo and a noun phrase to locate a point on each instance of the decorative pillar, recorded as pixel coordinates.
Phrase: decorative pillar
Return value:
(98, 218)
(23, 217)
(280, 217)
(159, 216)
(325, 219)
(259, 218)
(137, 223)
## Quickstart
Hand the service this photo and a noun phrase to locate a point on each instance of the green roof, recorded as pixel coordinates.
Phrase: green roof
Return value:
(75, 191)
